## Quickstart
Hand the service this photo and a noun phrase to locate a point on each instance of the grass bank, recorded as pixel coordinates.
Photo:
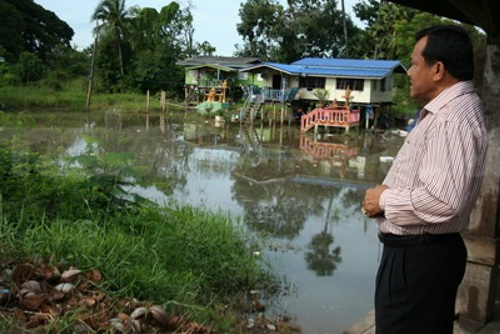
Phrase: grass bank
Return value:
(73, 96)
(76, 212)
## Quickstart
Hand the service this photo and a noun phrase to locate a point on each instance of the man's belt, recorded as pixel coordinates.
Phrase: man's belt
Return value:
(394, 240)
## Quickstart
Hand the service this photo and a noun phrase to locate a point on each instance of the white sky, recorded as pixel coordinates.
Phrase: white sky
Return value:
(214, 20)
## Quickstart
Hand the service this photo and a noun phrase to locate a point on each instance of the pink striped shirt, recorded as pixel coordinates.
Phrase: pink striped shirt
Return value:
(435, 179)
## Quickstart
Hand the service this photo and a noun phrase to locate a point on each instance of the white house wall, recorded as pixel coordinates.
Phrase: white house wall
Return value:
(368, 95)
(372, 93)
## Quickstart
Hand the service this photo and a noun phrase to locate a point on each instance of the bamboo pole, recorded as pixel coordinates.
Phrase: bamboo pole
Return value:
(147, 100)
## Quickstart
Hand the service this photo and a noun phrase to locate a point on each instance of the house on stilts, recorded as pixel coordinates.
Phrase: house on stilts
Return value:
(320, 91)
(325, 92)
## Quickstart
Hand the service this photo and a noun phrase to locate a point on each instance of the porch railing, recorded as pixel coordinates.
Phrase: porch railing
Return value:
(344, 118)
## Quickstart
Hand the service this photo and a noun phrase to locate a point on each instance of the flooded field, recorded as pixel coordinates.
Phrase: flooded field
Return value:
(303, 193)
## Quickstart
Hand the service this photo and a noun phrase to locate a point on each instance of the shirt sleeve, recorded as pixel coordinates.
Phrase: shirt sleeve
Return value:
(381, 201)
(445, 173)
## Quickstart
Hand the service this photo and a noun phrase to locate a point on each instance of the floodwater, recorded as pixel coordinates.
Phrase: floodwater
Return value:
(303, 193)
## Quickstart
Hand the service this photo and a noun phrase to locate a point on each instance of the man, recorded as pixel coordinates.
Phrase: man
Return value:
(428, 194)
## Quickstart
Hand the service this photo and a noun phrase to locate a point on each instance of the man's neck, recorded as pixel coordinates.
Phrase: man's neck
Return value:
(444, 84)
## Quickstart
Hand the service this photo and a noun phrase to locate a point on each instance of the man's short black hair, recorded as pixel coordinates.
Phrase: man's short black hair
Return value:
(450, 45)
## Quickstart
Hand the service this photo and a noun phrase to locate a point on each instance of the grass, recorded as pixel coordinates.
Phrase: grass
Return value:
(190, 261)
(73, 96)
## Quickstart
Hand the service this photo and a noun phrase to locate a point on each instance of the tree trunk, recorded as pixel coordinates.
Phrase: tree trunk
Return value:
(346, 39)
(91, 74)
(120, 56)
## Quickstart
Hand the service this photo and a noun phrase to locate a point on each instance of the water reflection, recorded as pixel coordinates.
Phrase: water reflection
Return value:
(301, 191)
(319, 257)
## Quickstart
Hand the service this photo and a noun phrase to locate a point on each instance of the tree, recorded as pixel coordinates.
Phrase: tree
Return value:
(258, 19)
(114, 19)
(204, 49)
(305, 28)
(366, 11)
(27, 26)
(29, 67)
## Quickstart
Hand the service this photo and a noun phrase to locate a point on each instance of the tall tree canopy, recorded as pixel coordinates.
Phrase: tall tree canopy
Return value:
(305, 28)
(148, 44)
(27, 26)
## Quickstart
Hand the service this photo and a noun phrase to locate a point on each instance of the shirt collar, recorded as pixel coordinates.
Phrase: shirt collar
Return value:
(460, 88)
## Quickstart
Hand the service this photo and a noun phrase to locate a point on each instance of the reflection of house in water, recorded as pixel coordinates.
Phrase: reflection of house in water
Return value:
(334, 151)
(335, 157)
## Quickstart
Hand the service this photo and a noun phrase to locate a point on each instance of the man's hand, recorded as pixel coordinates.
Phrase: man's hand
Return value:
(371, 206)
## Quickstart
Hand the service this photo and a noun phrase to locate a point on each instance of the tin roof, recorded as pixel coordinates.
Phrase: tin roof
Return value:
(232, 62)
(217, 67)
(336, 67)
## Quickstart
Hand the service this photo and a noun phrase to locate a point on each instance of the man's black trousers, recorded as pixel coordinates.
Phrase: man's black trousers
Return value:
(417, 283)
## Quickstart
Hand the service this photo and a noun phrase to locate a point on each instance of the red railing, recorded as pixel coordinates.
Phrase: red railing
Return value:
(344, 118)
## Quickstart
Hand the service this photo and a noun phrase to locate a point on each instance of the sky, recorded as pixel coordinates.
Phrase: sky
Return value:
(214, 20)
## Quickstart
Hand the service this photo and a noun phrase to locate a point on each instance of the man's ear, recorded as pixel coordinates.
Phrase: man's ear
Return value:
(439, 71)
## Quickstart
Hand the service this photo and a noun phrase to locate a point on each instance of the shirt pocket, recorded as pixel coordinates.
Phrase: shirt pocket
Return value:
(409, 159)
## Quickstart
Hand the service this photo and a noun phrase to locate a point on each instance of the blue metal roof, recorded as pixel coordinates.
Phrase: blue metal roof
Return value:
(336, 67)
(349, 63)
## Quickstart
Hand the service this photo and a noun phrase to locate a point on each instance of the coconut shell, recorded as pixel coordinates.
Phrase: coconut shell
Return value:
(64, 287)
(69, 276)
(32, 302)
(32, 286)
(139, 313)
(159, 315)
(95, 276)
(23, 272)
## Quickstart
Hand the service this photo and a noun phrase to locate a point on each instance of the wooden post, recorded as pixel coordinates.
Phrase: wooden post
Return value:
(282, 115)
(147, 100)
(289, 116)
(163, 101)
(281, 134)
(162, 123)
(274, 112)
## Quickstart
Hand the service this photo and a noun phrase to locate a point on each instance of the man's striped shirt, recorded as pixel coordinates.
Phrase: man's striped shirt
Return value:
(436, 177)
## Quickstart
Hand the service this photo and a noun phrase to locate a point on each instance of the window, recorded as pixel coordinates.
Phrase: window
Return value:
(242, 75)
(374, 85)
(353, 84)
(382, 85)
(311, 82)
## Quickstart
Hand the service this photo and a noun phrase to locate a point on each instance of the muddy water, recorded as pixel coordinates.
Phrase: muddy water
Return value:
(304, 193)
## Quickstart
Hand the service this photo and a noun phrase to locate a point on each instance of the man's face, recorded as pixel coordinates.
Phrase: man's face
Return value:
(421, 75)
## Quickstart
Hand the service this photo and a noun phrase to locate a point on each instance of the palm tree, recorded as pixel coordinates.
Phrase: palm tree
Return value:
(114, 20)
